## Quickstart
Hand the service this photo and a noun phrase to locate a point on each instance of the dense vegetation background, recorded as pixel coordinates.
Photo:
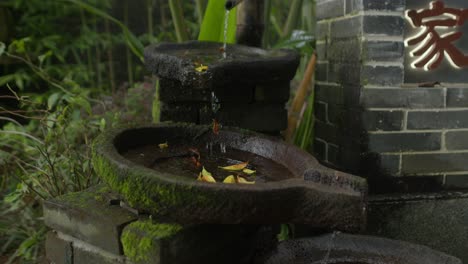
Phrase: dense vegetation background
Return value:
(70, 69)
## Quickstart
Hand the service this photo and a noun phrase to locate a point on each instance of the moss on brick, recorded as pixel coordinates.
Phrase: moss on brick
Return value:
(140, 240)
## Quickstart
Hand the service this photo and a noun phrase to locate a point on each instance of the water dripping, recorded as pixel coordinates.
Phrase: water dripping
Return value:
(222, 147)
(214, 103)
(331, 245)
(226, 23)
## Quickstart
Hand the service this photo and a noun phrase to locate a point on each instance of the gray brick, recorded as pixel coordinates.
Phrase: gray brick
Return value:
(58, 251)
(320, 111)
(403, 98)
(346, 28)
(183, 112)
(331, 94)
(383, 50)
(456, 140)
(174, 91)
(330, 9)
(345, 73)
(382, 75)
(435, 163)
(438, 119)
(321, 72)
(457, 97)
(393, 5)
(321, 49)
(384, 25)
(390, 164)
(320, 150)
(345, 50)
(323, 30)
(396, 142)
(456, 181)
(382, 120)
(327, 132)
(88, 217)
(359, 5)
(333, 154)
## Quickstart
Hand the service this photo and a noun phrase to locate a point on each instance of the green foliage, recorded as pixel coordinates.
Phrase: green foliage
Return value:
(212, 28)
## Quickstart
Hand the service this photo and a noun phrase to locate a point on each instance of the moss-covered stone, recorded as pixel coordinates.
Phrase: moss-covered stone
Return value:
(142, 240)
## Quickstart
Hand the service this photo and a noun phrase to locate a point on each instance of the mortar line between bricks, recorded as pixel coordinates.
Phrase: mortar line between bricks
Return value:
(374, 64)
(427, 152)
(76, 243)
(444, 173)
(327, 83)
(405, 132)
(412, 110)
(448, 85)
(380, 38)
(443, 143)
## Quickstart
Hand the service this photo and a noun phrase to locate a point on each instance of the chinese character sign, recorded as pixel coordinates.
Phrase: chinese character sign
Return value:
(438, 33)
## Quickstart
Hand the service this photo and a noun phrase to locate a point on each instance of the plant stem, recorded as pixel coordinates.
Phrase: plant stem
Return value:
(127, 50)
(149, 8)
(266, 16)
(178, 19)
(200, 10)
(299, 99)
(110, 56)
(293, 17)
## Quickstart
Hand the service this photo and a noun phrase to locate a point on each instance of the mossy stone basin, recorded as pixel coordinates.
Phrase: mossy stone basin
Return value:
(305, 192)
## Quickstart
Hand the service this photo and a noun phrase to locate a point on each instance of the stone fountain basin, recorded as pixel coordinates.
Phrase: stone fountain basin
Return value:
(311, 194)
(178, 61)
(354, 249)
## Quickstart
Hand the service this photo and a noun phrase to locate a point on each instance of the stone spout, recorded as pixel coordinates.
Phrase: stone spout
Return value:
(250, 21)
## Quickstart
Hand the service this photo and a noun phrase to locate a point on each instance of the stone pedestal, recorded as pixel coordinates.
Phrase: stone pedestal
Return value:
(91, 227)
(380, 114)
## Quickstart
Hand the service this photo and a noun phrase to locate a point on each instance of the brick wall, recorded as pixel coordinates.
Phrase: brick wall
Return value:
(368, 120)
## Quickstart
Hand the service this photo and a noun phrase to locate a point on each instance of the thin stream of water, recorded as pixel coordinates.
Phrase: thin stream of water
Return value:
(226, 23)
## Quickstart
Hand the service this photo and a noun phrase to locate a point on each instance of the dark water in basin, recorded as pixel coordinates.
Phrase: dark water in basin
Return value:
(178, 160)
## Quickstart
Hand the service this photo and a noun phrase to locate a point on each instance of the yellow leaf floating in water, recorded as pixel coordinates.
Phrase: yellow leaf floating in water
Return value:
(206, 176)
(237, 167)
(244, 181)
(163, 145)
(230, 179)
(248, 172)
(201, 68)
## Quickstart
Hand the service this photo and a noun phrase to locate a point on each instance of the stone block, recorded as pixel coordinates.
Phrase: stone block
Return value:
(88, 217)
(434, 163)
(84, 255)
(382, 75)
(394, 5)
(456, 140)
(172, 91)
(384, 25)
(58, 251)
(321, 72)
(257, 117)
(320, 111)
(277, 92)
(327, 132)
(323, 30)
(390, 164)
(397, 142)
(434, 220)
(454, 119)
(183, 112)
(330, 9)
(457, 97)
(149, 242)
(345, 50)
(346, 28)
(344, 73)
(320, 149)
(403, 98)
(321, 50)
(382, 120)
(453, 181)
(383, 51)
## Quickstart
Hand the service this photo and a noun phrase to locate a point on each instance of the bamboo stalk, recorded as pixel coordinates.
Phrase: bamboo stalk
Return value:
(127, 50)
(110, 56)
(200, 10)
(178, 19)
(266, 19)
(149, 8)
(299, 99)
(293, 17)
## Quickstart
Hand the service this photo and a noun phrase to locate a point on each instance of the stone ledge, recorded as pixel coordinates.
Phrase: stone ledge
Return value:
(89, 217)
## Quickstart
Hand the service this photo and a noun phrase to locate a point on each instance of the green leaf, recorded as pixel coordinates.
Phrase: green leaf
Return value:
(52, 100)
(212, 28)
(82, 102)
(44, 56)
